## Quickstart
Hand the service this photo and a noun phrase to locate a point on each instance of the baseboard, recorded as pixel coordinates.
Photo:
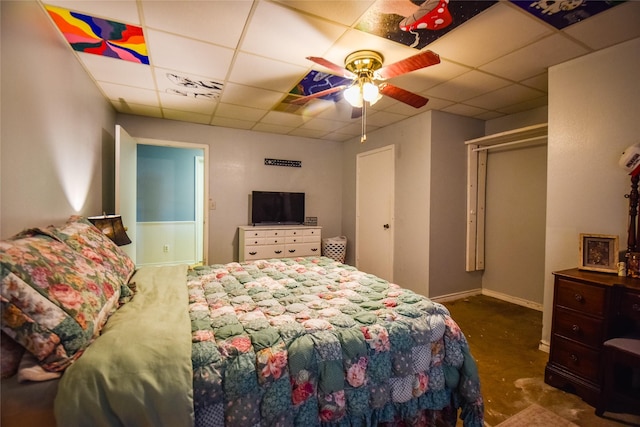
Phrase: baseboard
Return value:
(456, 295)
(544, 346)
(512, 299)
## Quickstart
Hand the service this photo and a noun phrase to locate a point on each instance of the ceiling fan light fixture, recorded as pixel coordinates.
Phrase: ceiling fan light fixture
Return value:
(353, 96)
(370, 92)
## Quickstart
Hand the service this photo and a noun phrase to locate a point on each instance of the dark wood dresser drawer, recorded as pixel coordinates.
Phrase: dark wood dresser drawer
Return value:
(572, 325)
(576, 358)
(579, 296)
(630, 305)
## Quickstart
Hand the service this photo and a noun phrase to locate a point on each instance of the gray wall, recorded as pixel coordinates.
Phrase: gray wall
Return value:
(594, 105)
(165, 187)
(56, 127)
(236, 167)
(430, 200)
(515, 214)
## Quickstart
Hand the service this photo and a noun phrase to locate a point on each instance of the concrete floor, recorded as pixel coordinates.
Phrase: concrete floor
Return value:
(504, 338)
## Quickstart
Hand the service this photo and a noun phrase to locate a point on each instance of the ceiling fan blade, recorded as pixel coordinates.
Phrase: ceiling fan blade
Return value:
(322, 93)
(412, 63)
(402, 95)
(333, 67)
(356, 112)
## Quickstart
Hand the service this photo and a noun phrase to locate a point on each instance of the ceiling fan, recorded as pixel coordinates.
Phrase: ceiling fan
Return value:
(365, 68)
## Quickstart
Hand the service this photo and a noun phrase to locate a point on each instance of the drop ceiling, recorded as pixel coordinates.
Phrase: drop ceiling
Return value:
(254, 52)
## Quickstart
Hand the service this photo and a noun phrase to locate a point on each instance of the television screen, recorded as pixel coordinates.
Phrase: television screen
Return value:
(272, 207)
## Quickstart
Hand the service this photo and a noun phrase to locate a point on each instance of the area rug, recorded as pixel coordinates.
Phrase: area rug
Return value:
(536, 416)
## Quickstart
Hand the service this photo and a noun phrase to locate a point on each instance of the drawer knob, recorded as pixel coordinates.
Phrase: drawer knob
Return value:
(252, 253)
(314, 249)
(574, 358)
(291, 251)
(578, 297)
(278, 252)
(575, 328)
(635, 307)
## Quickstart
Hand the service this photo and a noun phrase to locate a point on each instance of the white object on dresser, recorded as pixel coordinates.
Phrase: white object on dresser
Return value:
(285, 241)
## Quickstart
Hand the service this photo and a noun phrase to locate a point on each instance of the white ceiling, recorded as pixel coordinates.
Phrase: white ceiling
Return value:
(492, 65)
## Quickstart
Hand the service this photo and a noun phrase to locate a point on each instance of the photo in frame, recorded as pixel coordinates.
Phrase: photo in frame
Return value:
(599, 252)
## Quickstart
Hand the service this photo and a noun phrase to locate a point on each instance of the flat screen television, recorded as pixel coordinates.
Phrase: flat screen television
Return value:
(277, 207)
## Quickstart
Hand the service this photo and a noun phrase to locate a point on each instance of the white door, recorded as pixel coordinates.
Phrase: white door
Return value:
(126, 178)
(375, 176)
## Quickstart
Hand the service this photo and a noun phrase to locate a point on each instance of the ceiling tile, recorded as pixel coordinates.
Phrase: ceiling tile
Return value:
(284, 119)
(136, 109)
(269, 128)
(273, 75)
(343, 12)
(219, 22)
(187, 55)
(420, 80)
(615, 25)
(278, 32)
(308, 133)
(125, 11)
(512, 94)
(467, 86)
(237, 111)
(232, 123)
(249, 96)
(540, 82)
(187, 103)
(499, 30)
(536, 58)
(112, 70)
(186, 116)
(129, 94)
(464, 110)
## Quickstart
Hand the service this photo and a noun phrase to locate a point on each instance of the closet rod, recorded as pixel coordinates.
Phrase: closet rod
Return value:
(504, 144)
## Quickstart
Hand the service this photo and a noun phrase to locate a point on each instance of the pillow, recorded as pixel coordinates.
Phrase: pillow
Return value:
(54, 300)
(85, 238)
(10, 354)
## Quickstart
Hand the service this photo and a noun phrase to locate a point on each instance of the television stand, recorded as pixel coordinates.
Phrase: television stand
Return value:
(278, 241)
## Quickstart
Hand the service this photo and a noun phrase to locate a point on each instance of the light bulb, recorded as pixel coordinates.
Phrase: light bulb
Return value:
(353, 96)
(370, 92)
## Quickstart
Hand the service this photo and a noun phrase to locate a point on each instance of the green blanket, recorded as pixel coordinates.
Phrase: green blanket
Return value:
(138, 372)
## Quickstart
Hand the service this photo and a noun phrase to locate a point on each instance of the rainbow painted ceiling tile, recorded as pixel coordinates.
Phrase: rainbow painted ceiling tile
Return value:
(100, 36)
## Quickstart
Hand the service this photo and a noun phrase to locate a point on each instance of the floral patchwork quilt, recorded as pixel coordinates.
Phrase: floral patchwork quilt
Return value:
(313, 342)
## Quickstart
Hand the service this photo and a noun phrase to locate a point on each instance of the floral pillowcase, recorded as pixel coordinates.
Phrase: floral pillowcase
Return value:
(58, 286)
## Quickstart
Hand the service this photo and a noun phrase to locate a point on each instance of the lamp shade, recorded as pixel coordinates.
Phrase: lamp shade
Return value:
(112, 227)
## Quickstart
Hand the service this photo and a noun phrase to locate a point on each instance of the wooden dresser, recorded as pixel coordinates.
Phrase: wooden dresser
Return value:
(588, 309)
(262, 242)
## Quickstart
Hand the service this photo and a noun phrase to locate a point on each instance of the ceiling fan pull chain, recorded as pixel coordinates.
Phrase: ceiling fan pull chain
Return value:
(363, 136)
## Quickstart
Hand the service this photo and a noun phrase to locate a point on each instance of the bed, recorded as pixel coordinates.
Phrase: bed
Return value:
(279, 342)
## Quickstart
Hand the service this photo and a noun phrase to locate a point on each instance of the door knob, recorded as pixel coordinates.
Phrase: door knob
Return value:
(386, 226)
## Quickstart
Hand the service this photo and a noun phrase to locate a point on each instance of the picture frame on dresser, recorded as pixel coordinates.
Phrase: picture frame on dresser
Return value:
(599, 252)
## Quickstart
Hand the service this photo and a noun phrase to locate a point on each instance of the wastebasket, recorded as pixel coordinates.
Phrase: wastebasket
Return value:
(335, 248)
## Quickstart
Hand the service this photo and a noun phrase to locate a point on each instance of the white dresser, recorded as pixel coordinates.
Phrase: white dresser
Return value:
(284, 241)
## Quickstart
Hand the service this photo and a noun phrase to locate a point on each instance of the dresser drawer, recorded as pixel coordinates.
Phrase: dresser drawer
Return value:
(294, 239)
(630, 305)
(251, 241)
(255, 233)
(263, 252)
(312, 232)
(575, 358)
(579, 296)
(587, 330)
(276, 233)
(274, 240)
(302, 249)
(296, 232)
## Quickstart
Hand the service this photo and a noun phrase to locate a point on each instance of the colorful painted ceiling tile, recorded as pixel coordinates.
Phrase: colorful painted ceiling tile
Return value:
(562, 13)
(418, 23)
(100, 36)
